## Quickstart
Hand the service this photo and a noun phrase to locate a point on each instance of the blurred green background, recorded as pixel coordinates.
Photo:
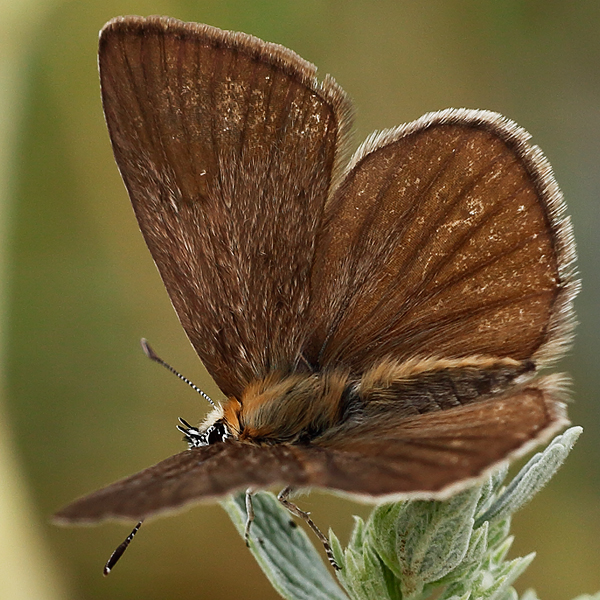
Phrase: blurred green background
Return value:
(82, 406)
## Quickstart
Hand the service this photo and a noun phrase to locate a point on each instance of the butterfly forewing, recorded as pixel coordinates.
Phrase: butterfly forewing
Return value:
(227, 146)
(458, 248)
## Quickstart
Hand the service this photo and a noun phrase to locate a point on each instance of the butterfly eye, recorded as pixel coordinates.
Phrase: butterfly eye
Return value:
(216, 433)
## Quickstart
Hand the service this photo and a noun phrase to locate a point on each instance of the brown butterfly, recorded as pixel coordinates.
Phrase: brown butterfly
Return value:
(376, 324)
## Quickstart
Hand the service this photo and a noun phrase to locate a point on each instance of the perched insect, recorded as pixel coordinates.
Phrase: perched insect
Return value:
(376, 324)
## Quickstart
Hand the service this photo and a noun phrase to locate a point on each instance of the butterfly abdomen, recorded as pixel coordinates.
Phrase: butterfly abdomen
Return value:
(425, 385)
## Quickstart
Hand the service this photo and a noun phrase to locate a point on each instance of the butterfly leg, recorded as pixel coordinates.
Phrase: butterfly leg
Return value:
(283, 497)
(249, 515)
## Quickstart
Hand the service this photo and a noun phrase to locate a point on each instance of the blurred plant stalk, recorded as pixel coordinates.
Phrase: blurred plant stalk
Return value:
(27, 571)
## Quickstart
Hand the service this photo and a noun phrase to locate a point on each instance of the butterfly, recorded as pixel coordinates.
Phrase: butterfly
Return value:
(376, 322)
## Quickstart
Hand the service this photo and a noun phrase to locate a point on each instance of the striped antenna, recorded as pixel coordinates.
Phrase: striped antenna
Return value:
(153, 356)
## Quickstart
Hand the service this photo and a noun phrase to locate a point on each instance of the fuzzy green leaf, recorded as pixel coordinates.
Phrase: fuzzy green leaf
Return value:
(478, 546)
(494, 584)
(283, 550)
(382, 533)
(365, 576)
(533, 476)
(432, 538)
(337, 550)
(412, 550)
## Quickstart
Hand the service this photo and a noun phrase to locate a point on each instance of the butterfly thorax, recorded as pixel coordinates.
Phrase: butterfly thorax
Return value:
(301, 407)
(289, 408)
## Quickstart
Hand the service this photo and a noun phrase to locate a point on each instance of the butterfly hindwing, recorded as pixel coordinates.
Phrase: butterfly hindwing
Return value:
(459, 247)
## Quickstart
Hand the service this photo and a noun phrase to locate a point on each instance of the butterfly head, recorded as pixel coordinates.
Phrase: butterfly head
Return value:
(212, 431)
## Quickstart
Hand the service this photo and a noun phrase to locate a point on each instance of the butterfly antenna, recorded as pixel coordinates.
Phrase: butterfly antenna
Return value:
(153, 356)
(116, 555)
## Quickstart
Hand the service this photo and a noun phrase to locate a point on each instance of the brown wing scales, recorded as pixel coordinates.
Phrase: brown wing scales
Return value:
(227, 146)
(200, 474)
(437, 453)
(457, 248)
